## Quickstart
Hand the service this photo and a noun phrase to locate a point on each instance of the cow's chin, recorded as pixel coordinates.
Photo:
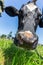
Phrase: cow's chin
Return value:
(27, 40)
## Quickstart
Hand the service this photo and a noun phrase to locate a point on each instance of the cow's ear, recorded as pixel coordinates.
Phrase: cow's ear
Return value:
(11, 11)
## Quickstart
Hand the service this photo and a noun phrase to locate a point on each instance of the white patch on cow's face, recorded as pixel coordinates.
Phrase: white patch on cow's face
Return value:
(25, 31)
(31, 6)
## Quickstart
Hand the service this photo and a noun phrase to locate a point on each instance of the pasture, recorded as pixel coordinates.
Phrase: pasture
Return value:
(12, 55)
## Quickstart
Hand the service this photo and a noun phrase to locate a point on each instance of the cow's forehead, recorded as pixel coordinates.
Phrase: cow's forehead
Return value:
(31, 6)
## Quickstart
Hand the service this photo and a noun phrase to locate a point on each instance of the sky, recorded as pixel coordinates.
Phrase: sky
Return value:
(8, 24)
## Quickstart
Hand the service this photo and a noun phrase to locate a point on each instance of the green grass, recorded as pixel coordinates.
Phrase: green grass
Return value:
(12, 55)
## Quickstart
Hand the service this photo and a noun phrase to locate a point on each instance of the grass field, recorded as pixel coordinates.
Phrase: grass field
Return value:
(12, 55)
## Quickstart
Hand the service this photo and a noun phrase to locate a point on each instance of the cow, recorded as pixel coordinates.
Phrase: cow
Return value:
(1, 6)
(29, 17)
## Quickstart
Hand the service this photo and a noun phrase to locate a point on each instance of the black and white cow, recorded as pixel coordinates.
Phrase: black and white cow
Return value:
(1, 6)
(29, 17)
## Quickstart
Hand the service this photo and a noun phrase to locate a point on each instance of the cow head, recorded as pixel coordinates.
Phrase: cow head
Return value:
(25, 36)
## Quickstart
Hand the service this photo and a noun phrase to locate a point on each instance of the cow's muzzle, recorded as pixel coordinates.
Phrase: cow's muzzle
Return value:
(27, 39)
